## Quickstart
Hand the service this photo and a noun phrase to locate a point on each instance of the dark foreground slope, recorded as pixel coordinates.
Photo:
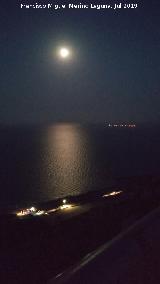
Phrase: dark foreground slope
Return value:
(35, 249)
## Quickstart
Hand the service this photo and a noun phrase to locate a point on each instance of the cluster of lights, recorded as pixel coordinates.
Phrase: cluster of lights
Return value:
(113, 193)
(122, 125)
(26, 212)
(30, 211)
(34, 212)
(65, 206)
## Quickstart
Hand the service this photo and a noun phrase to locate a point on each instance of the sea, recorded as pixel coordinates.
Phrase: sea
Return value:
(39, 164)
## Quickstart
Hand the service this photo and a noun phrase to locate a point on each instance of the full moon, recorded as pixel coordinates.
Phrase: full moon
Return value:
(64, 52)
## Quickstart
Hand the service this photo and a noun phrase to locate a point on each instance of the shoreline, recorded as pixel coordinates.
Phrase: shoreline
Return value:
(134, 185)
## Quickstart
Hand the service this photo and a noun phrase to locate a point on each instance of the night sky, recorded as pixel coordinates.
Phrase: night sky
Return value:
(112, 75)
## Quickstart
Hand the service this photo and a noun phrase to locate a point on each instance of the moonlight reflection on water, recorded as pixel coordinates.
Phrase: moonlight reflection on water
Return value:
(67, 159)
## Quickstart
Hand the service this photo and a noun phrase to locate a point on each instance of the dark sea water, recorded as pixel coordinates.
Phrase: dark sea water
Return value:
(41, 164)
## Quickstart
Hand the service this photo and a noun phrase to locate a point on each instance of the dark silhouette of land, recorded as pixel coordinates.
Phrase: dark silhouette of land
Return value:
(35, 249)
